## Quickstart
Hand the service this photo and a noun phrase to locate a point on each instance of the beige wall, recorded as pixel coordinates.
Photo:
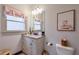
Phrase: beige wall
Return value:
(52, 35)
(13, 40)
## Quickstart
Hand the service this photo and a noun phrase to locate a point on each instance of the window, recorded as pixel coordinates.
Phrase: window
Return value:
(37, 25)
(15, 20)
(15, 23)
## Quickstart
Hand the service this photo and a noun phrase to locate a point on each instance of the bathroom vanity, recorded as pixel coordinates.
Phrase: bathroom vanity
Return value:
(33, 44)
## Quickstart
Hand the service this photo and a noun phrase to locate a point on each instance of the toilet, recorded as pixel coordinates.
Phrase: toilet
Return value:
(62, 50)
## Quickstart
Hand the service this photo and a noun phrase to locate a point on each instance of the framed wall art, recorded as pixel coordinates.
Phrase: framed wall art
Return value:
(66, 21)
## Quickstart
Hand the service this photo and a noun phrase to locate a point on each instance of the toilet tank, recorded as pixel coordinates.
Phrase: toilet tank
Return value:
(62, 50)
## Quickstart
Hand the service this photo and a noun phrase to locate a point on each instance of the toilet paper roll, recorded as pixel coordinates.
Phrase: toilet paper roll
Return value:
(49, 44)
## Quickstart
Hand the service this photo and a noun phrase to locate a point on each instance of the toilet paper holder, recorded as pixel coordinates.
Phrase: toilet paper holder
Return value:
(49, 44)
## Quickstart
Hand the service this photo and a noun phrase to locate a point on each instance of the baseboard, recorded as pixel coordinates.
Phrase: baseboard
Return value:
(17, 53)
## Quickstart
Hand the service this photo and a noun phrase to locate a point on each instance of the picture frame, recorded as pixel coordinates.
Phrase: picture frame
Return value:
(66, 20)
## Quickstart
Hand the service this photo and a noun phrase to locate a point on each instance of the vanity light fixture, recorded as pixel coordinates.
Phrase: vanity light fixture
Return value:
(37, 11)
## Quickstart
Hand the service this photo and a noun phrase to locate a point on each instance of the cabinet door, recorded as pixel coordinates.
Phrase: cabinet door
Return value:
(40, 46)
(28, 45)
(37, 46)
(34, 47)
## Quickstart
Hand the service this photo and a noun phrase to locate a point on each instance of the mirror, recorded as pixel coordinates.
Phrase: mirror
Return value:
(38, 20)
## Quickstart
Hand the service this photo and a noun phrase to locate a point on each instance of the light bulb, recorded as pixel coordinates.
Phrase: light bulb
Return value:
(37, 11)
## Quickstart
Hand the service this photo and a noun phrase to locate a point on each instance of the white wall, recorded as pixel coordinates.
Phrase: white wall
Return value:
(13, 40)
(52, 35)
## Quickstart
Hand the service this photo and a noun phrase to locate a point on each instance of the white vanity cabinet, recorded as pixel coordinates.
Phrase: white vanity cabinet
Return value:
(33, 45)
